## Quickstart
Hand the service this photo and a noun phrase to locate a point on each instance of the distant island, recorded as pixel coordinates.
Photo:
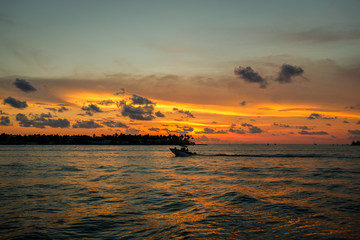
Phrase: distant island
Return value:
(115, 139)
(355, 143)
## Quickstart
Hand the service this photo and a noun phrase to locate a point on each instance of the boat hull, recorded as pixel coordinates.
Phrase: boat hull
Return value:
(181, 153)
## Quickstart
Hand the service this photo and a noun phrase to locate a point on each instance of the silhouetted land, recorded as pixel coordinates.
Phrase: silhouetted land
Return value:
(355, 143)
(115, 139)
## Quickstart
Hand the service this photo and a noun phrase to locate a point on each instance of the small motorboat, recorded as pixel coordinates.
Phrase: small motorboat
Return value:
(182, 152)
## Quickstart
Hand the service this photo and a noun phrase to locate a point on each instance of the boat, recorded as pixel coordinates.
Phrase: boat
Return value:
(182, 152)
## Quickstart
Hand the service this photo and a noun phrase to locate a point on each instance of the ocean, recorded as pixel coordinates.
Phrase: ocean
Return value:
(144, 192)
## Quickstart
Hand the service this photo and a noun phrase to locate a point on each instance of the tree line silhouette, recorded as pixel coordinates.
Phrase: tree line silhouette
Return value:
(115, 139)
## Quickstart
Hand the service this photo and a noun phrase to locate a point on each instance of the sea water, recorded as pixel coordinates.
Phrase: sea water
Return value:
(144, 192)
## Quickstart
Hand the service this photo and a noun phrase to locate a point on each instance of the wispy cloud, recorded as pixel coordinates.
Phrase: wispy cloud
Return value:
(186, 112)
(304, 132)
(325, 35)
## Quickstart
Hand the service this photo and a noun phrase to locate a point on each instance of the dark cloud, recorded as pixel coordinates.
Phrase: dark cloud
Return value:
(358, 122)
(243, 103)
(180, 130)
(141, 100)
(211, 131)
(233, 129)
(61, 109)
(15, 103)
(4, 121)
(137, 113)
(120, 92)
(159, 114)
(91, 109)
(139, 108)
(255, 129)
(24, 85)
(41, 121)
(282, 125)
(287, 72)
(320, 116)
(187, 113)
(86, 124)
(346, 121)
(288, 126)
(246, 125)
(113, 124)
(250, 76)
(154, 129)
(303, 127)
(354, 132)
(313, 133)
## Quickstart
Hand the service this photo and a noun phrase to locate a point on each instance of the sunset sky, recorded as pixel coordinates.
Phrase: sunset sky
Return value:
(221, 71)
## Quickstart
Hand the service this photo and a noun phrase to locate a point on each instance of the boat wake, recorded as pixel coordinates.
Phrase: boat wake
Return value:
(281, 155)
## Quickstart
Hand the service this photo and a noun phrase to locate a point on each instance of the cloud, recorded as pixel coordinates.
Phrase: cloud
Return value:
(187, 113)
(320, 116)
(236, 130)
(246, 125)
(3, 113)
(346, 121)
(61, 109)
(303, 127)
(139, 108)
(255, 129)
(211, 131)
(120, 92)
(354, 132)
(106, 102)
(181, 130)
(281, 125)
(41, 121)
(113, 124)
(287, 72)
(358, 122)
(86, 124)
(24, 85)
(354, 107)
(313, 133)
(243, 103)
(91, 108)
(326, 34)
(4, 121)
(137, 113)
(288, 126)
(250, 76)
(15, 103)
(154, 129)
(141, 100)
(159, 114)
